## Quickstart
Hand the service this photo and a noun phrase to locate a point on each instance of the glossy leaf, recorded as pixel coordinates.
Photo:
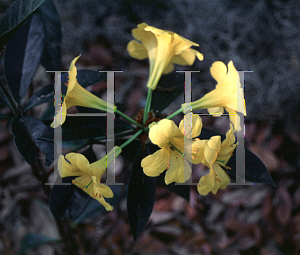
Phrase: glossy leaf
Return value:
(15, 16)
(51, 57)
(23, 141)
(67, 201)
(29, 131)
(46, 94)
(84, 127)
(168, 89)
(141, 195)
(23, 54)
(33, 240)
(42, 135)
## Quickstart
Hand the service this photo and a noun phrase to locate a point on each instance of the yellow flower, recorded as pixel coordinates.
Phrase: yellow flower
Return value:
(163, 48)
(225, 95)
(216, 154)
(78, 96)
(170, 157)
(75, 164)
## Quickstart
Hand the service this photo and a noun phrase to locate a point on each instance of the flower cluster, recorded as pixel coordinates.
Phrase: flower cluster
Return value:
(179, 146)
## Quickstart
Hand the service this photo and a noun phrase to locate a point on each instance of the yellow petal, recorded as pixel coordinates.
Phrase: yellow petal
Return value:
(163, 132)
(212, 149)
(222, 178)
(176, 171)
(153, 165)
(99, 167)
(137, 50)
(169, 68)
(60, 117)
(72, 74)
(104, 190)
(218, 71)
(230, 138)
(82, 183)
(196, 125)
(67, 169)
(79, 96)
(206, 184)
(198, 151)
(212, 182)
(80, 162)
(216, 111)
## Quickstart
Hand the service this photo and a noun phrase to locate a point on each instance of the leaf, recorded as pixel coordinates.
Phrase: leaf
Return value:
(255, 170)
(3, 99)
(168, 89)
(42, 135)
(32, 240)
(23, 54)
(46, 94)
(28, 131)
(85, 127)
(141, 195)
(23, 140)
(15, 16)
(51, 57)
(67, 201)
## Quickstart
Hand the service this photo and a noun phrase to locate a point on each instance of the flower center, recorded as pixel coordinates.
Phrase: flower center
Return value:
(174, 148)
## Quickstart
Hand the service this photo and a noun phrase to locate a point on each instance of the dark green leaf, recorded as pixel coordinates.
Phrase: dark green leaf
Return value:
(255, 170)
(14, 16)
(51, 58)
(168, 89)
(32, 240)
(42, 135)
(67, 201)
(84, 77)
(23, 140)
(84, 127)
(3, 99)
(23, 54)
(141, 195)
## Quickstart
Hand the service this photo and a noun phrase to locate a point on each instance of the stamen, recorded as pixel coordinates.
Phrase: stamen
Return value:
(227, 167)
(183, 155)
(86, 186)
(168, 165)
(99, 195)
(73, 182)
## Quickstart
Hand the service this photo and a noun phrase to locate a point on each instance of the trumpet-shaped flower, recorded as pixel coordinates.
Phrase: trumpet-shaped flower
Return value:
(226, 94)
(170, 157)
(75, 164)
(216, 154)
(163, 48)
(78, 96)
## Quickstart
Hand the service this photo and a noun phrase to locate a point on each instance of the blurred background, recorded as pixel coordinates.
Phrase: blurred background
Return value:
(258, 35)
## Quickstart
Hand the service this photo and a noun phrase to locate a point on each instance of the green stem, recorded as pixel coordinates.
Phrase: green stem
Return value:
(174, 114)
(131, 139)
(14, 108)
(128, 118)
(147, 106)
